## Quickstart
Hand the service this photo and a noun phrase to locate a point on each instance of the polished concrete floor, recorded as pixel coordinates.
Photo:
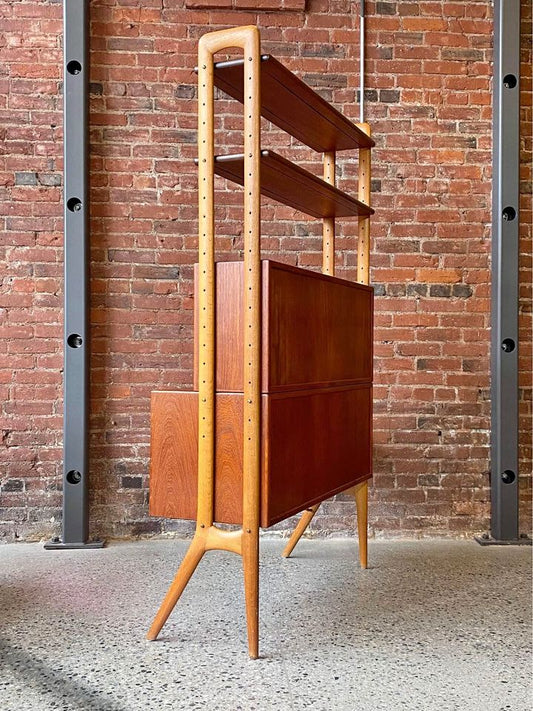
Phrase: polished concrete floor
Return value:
(431, 625)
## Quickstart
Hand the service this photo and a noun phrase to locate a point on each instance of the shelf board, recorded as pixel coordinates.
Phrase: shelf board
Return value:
(291, 185)
(290, 104)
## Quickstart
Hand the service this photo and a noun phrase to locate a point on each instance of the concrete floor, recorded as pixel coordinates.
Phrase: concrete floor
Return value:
(432, 625)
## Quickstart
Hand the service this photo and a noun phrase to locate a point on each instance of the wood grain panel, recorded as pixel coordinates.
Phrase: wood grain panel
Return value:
(174, 456)
(315, 444)
(229, 353)
(316, 329)
(320, 330)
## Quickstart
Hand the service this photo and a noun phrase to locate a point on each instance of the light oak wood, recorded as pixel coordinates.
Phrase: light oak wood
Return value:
(361, 502)
(246, 38)
(328, 223)
(363, 246)
(188, 566)
(363, 274)
(205, 539)
(252, 335)
(300, 529)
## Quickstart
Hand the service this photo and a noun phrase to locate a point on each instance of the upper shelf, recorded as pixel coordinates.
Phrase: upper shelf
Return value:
(291, 185)
(294, 106)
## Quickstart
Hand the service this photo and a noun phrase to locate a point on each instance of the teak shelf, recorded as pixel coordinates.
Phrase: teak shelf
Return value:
(291, 185)
(293, 106)
(280, 415)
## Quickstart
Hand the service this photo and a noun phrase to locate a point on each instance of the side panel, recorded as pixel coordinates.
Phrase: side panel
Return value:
(174, 456)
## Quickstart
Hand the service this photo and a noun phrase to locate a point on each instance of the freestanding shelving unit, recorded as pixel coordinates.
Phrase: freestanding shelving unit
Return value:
(280, 418)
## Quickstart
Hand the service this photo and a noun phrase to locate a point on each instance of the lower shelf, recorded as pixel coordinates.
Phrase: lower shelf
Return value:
(314, 444)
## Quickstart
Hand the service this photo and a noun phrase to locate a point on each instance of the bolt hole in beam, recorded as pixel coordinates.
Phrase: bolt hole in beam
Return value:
(508, 213)
(508, 345)
(508, 476)
(75, 340)
(510, 81)
(74, 204)
(73, 476)
(74, 67)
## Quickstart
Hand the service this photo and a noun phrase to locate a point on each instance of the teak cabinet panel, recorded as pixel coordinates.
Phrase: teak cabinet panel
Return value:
(174, 456)
(316, 408)
(316, 329)
(313, 445)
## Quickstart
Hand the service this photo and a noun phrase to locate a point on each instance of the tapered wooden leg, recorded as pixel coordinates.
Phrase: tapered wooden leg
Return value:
(298, 532)
(186, 569)
(361, 502)
(250, 562)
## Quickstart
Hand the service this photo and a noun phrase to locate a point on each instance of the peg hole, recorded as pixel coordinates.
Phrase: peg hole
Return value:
(74, 204)
(508, 345)
(508, 213)
(508, 476)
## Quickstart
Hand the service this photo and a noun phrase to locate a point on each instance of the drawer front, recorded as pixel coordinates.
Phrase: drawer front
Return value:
(315, 444)
(316, 329)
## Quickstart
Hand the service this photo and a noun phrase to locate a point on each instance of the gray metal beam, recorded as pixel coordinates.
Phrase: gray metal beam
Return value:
(505, 252)
(76, 278)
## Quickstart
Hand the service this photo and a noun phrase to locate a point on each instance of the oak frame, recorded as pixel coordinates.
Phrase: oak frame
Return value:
(207, 536)
(363, 277)
(244, 541)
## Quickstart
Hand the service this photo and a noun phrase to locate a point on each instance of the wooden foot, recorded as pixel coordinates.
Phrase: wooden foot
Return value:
(186, 569)
(361, 502)
(250, 562)
(303, 523)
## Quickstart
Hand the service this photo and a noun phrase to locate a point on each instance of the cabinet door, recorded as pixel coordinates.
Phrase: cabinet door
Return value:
(315, 444)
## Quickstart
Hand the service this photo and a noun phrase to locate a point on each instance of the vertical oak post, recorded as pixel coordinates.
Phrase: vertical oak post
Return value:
(207, 536)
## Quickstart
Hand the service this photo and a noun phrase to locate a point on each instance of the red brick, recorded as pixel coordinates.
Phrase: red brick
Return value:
(432, 227)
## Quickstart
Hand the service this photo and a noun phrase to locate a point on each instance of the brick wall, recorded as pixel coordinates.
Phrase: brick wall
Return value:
(429, 103)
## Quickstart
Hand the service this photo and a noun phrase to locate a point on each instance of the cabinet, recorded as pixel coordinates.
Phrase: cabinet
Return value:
(280, 415)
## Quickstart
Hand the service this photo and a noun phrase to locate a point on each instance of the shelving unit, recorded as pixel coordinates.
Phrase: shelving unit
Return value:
(280, 417)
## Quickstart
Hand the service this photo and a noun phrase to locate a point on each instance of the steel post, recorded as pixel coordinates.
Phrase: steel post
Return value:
(505, 252)
(76, 278)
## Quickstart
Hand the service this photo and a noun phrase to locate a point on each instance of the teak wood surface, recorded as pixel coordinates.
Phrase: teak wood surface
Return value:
(293, 106)
(296, 187)
(306, 456)
(316, 329)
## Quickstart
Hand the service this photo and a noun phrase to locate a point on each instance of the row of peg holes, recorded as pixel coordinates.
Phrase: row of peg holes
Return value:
(508, 214)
